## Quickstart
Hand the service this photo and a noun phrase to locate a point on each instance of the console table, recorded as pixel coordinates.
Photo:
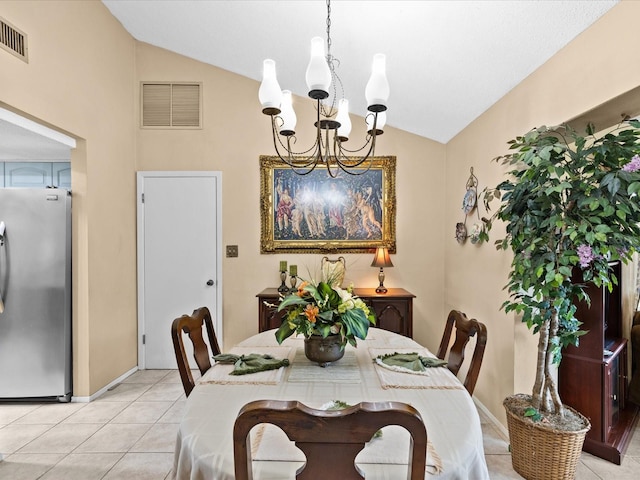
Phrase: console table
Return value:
(394, 309)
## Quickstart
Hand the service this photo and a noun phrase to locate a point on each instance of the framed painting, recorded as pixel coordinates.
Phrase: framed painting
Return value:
(316, 213)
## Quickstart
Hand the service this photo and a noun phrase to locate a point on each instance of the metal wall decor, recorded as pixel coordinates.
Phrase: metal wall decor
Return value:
(317, 213)
(469, 204)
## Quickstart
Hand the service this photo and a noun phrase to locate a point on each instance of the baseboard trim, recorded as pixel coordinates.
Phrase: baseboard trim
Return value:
(496, 423)
(118, 380)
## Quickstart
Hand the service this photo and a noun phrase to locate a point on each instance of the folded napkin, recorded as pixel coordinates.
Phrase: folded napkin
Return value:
(251, 363)
(396, 376)
(221, 373)
(409, 361)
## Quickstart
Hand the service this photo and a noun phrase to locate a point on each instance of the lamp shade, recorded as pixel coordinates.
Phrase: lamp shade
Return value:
(318, 74)
(270, 94)
(381, 258)
(377, 89)
(288, 115)
(343, 118)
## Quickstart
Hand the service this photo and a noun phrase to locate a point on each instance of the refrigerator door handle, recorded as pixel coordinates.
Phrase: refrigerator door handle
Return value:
(2, 229)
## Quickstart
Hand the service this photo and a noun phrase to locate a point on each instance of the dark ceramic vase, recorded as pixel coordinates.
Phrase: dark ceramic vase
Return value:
(323, 350)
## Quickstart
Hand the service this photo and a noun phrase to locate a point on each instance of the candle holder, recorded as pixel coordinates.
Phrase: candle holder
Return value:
(294, 281)
(283, 286)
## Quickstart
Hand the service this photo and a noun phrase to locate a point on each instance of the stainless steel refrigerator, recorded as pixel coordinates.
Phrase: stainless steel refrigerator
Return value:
(35, 293)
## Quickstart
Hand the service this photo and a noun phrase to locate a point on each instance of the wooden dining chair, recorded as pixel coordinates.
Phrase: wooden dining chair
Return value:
(192, 325)
(330, 439)
(465, 329)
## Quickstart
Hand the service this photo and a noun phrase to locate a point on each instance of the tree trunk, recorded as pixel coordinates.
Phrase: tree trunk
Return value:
(550, 383)
(538, 386)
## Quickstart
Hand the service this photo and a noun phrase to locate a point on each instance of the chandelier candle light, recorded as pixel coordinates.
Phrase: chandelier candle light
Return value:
(333, 126)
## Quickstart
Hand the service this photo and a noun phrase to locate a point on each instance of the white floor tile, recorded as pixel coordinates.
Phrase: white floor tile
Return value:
(142, 466)
(62, 438)
(113, 438)
(162, 392)
(51, 413)
(97, 412)
(11, 412)
(160, 438)
(83, 466)
(27, 466)
(147, 376)
(142, 412)
(13, 437)
(124, 392)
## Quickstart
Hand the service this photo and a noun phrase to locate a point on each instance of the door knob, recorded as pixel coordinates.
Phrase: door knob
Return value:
(210, 282)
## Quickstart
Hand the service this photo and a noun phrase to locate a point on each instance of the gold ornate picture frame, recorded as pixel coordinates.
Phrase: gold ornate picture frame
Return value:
(316, 213)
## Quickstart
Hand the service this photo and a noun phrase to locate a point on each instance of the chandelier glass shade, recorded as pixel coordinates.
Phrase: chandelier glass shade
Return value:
(332, 125)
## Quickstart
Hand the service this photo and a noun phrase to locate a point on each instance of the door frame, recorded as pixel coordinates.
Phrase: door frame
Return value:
(217, 315)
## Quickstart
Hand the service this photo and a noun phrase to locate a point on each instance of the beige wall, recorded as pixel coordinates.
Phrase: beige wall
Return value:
(79, 79)
(235, 134)
(590, 71)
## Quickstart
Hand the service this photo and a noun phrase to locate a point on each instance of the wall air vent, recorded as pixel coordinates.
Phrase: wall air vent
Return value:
(13, 40)
(171, 105)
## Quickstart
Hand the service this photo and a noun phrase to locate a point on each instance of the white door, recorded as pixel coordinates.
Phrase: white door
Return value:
(179, 256)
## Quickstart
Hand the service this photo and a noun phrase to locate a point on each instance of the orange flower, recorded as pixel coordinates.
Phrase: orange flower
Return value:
(310, 312)
(301, 291)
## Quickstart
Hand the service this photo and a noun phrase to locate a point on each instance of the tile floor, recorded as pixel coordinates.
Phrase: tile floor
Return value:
(129, 432)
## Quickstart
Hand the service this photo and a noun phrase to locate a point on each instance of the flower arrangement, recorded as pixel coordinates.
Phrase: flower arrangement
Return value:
(325, 310)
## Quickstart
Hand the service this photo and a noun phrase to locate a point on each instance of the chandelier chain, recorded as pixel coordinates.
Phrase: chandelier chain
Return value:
(329, 107)
(329, 28)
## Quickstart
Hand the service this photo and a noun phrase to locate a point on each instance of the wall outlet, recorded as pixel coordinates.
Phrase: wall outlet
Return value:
(232, 251)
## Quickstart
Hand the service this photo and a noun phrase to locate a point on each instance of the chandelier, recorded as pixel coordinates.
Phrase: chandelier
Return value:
(333, 125)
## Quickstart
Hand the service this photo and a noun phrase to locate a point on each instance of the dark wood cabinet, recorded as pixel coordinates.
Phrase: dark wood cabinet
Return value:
(394, 309)
(592, 377)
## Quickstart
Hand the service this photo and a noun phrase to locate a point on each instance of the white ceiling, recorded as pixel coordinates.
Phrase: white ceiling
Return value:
(447, 61)
(21, 140)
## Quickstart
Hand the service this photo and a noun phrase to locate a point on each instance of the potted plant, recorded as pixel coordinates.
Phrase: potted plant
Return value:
(328, 316)
(570, 202)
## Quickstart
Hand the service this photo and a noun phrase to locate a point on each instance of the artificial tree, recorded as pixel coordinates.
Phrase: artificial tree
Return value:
(570, 201)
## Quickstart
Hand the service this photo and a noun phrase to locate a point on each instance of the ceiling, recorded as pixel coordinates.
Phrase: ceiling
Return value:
(447, 61)
(21, 141)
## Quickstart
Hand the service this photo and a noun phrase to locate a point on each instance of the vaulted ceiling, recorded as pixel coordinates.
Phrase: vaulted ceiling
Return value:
(447, 61)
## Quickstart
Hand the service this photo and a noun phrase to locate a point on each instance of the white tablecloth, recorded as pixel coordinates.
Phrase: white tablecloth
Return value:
(204, 445)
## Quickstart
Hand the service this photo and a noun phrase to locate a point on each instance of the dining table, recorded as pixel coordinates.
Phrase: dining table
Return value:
(204, 443)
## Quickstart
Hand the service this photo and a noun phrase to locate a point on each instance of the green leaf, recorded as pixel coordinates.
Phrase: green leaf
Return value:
(601, 237)
(532, 413)
(284, 331)
(633, 188)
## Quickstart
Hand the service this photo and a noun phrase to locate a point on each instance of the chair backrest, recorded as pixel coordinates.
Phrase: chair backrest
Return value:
(330, 439)
(192, 326)
(465, 329)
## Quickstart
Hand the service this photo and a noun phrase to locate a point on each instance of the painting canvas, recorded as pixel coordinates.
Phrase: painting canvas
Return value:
(319, 213)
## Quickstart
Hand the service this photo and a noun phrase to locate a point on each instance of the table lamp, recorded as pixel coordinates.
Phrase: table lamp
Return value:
(381, 259)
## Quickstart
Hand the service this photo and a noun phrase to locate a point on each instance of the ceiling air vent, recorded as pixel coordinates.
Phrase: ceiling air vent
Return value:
(171, 105)
(13, 40)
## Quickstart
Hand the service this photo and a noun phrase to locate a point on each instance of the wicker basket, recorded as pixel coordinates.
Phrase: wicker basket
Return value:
(543, 453)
